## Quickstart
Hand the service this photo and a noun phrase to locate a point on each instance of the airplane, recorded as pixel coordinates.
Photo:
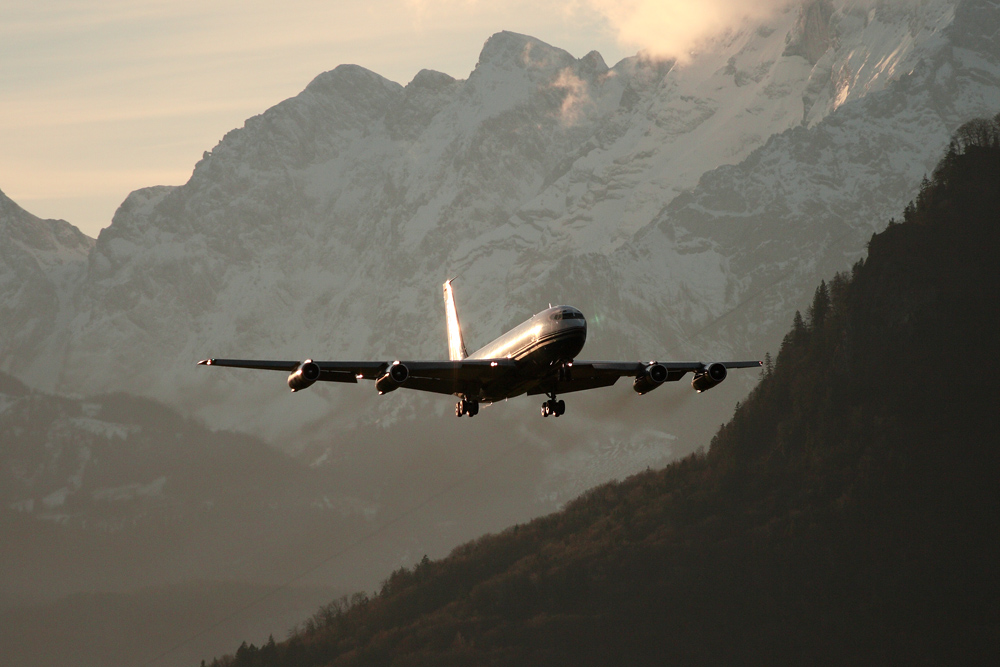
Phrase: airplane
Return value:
(536, 357)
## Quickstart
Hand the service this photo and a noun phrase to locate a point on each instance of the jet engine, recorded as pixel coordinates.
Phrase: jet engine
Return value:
(652, 377)
(304, 376)
(710, 376)
(393, 378)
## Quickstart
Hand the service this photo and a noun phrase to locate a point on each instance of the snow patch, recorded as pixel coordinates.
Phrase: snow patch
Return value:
(133, 491)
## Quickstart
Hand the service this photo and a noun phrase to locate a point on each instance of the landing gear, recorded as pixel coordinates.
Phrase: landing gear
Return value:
(566, 371)
(466, 407)
(553, 407)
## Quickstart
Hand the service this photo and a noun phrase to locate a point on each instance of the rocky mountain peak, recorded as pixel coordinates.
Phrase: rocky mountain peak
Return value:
(35, 234)
(350, 81)
(505, 49)
(430, 79)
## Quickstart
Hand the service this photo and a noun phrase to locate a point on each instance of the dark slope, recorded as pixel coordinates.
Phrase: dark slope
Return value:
(115, 493)
(847, 514)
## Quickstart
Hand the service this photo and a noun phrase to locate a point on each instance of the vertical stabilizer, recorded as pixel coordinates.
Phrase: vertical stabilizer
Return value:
(456, 344)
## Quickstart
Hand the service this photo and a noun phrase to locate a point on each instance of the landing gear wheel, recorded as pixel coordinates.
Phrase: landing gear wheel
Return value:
(553, 407)
(465, 407)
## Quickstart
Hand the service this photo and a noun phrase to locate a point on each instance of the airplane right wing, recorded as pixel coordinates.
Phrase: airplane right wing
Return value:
(581, 375)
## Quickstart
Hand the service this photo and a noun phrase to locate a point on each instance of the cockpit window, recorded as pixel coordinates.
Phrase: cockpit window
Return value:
(567, 314)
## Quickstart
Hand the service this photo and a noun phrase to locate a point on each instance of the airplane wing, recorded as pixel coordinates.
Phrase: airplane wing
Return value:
(464, 376)
(592, 374)
(442, 377)
(330, 371)
(491, 379)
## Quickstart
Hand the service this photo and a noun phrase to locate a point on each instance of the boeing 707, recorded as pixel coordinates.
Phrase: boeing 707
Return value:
(536, 357)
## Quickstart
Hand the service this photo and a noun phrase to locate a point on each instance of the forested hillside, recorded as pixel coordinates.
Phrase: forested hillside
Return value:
(847, 514)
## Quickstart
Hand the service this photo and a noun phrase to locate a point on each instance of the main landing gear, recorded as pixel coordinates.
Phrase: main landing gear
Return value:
(553, 407)
(466, 407)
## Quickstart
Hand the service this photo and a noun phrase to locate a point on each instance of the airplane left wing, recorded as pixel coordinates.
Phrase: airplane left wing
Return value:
(442, 377)
(323, 371)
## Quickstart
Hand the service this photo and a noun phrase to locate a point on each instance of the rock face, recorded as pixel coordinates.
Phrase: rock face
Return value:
(688, 211)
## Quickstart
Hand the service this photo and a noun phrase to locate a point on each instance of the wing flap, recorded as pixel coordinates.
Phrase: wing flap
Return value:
(438, 386)
(465, 377)
(359, 370)
(466, 369)
(557, 386)
(338, 376)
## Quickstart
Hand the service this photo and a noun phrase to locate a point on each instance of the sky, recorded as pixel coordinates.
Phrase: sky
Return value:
(101, 97)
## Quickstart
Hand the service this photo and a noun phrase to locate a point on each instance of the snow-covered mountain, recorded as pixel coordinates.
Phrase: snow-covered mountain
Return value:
(688, 210)
(42, 262)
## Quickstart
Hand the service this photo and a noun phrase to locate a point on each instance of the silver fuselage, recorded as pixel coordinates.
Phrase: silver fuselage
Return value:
(549, 338)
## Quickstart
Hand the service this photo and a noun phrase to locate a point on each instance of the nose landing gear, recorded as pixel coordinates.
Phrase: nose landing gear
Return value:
(466, 407)
(553, 407)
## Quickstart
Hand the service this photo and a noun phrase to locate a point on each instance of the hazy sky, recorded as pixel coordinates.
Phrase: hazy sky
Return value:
(101, 97)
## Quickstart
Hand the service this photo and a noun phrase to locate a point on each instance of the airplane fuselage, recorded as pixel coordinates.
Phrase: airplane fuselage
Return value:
(552, 337)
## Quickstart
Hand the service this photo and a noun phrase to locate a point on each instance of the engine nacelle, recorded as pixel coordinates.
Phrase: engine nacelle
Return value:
(394, 378)
(304, 376)
(652, 377)
(712, 375)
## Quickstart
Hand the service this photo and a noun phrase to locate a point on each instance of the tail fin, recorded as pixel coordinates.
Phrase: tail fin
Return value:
(456, 345)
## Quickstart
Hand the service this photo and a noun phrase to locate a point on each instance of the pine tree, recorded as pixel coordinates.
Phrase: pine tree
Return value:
(798, 325)
(838, 291)
(925, 192)
(820, 306)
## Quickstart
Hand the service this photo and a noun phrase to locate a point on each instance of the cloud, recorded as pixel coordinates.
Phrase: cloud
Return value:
(577, 96)
(673, 28)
